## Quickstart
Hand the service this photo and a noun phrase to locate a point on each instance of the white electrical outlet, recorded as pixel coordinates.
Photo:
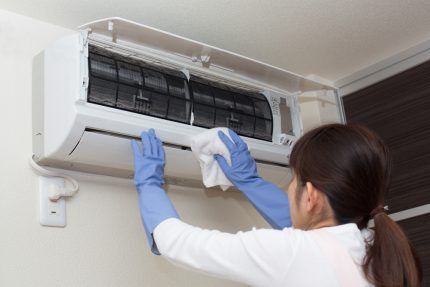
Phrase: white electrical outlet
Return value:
(51, 213)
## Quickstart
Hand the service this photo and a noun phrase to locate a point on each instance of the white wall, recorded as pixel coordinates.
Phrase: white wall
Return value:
(103, 243)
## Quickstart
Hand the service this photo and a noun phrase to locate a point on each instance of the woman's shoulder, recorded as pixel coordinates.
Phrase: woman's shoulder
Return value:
(348, 235)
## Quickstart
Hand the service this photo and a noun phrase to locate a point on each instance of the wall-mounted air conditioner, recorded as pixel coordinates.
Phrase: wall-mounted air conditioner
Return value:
(95, 90)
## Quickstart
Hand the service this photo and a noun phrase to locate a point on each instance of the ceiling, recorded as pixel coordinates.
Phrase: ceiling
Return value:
(327, 38)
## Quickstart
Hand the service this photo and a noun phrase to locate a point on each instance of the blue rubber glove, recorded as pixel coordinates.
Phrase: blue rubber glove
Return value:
(154, 204)
(270, 201)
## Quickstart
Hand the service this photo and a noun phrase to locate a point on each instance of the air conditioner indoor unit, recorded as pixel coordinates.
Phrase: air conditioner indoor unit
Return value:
(98, 88)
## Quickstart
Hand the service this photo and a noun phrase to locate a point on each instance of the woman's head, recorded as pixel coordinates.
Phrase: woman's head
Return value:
(309, 207)
(341, 174)
(346, 166)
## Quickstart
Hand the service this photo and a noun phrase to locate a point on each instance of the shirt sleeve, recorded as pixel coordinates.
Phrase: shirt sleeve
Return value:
(257, 257)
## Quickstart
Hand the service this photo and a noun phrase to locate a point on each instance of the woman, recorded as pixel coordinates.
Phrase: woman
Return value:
(341, 173)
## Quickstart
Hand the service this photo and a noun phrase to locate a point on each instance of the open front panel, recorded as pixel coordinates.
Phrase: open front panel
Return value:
(133, 85)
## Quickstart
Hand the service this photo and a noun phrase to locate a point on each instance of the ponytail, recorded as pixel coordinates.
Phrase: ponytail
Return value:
(391, 259)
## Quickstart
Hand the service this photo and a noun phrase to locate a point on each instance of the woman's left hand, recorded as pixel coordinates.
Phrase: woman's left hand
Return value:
(149, 162)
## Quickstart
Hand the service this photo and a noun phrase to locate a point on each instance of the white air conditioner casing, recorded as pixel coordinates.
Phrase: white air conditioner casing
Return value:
(71, 133)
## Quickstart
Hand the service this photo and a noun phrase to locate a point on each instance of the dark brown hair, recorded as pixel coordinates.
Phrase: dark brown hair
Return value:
(351, 165)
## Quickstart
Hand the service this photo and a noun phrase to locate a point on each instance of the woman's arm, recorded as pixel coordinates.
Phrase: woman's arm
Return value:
(154, 204)
(270, 201)
(257, 257)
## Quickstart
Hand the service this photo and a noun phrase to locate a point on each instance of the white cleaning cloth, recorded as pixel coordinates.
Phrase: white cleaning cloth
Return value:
(204, 147)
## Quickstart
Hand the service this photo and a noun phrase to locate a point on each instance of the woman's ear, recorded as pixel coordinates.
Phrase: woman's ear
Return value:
(313, 196)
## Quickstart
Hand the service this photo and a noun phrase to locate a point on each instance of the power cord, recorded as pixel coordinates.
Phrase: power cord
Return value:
(55, 192)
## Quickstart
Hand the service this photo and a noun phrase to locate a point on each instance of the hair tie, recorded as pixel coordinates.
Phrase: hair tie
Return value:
(377, 210)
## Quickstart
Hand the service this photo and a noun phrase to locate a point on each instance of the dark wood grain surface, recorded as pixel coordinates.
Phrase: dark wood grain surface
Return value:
(418, 231)
(398, 109)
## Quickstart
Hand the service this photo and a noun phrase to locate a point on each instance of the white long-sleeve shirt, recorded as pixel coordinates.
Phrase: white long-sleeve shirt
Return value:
(260, 257)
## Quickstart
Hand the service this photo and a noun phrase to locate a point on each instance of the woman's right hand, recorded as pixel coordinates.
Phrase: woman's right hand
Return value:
(243, 170)
(270, 201)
